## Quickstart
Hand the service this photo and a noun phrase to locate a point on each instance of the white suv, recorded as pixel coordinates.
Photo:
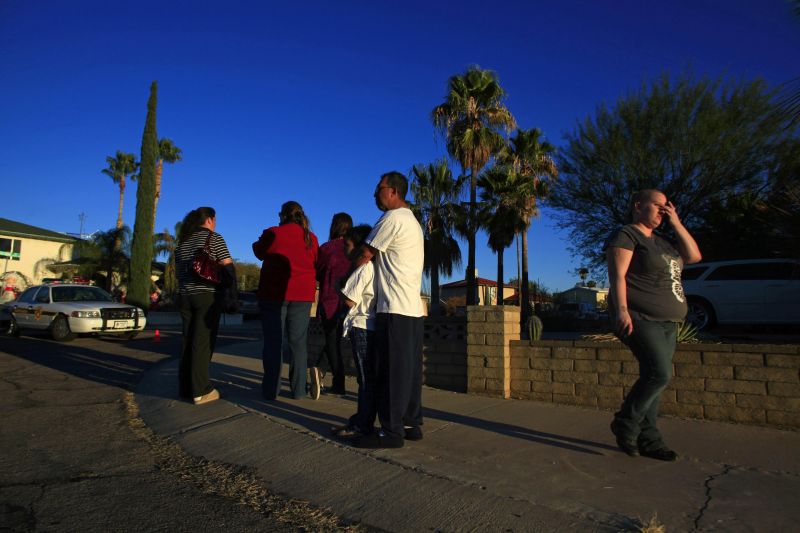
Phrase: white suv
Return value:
(745, 291)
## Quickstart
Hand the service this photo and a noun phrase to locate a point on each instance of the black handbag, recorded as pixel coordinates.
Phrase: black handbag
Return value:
(204, 264)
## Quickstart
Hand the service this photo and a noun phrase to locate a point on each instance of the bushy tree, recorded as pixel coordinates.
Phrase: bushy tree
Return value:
(142, 247)
(247, 274)
(700, 141)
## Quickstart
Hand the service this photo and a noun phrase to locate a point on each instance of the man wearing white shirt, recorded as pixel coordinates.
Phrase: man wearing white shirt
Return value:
(397, 244)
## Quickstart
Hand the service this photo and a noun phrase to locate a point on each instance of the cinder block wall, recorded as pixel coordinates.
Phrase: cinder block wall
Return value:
(444, 364)
(482, 354)
(757, 384)
(489, 331)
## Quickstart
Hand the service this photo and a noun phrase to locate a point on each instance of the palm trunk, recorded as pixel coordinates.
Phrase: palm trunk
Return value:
(170, 279)
(434, 311)
(519, 276)
(110, 273)
(500, 277)
(472, 226)
(121, 201)
(159, 170)
(525, 302)
(117, 240)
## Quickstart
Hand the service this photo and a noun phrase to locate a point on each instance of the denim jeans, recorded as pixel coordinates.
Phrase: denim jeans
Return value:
(653, 345)
(363, 344)
(285, 325)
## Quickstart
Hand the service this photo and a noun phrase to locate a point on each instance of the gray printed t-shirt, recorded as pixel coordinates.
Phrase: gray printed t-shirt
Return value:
(653, 280)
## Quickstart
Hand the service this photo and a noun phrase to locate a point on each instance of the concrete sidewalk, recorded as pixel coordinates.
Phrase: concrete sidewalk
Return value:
(485, 464)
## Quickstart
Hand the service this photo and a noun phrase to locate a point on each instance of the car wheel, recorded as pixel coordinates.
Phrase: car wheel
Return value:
(129, 335)
(701, 314)
(60, 331)
(13, 328)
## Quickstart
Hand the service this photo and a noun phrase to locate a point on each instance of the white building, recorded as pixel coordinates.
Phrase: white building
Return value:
(25, 252)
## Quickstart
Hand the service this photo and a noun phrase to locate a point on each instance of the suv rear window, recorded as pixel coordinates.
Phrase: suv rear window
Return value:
(753, 271)
(691, 273)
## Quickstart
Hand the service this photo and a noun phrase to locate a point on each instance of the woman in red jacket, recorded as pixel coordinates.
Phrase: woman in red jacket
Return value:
(286, 292)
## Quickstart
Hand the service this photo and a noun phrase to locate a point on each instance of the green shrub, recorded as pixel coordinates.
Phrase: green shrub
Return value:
(687, 332)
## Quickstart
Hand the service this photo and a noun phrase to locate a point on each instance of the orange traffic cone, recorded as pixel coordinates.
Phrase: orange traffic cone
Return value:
(157, 336)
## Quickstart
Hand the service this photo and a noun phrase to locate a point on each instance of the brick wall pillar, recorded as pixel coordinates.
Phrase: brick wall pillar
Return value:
(490, 330)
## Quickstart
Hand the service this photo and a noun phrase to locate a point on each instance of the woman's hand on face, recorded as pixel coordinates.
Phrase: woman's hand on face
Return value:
(624, 325)
(669, 212)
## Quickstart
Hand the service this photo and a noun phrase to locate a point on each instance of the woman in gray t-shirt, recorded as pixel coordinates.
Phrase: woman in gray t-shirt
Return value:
(647, 304)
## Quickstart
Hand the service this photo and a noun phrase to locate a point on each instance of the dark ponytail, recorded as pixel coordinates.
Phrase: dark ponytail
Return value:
(193, 220)
(292, 213)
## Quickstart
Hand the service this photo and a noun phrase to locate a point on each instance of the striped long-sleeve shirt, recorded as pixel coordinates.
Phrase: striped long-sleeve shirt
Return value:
(188, 281)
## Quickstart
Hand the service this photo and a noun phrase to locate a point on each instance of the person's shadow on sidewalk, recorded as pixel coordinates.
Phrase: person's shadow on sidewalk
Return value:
(244, 388)
(510, 430)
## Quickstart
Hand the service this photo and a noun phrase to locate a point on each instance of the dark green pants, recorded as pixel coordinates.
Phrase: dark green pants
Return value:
(653, 344)
(200, 317)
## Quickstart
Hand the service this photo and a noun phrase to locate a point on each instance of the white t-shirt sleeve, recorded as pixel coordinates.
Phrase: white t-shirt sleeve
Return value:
(384, 232)
(354, 286)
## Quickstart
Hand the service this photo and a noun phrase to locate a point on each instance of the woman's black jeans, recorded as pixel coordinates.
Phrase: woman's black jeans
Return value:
(200, 316)
(653, 345)
(332, 330)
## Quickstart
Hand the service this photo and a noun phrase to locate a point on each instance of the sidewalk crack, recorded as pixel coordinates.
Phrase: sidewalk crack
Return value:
(710, 479)
(207, 423)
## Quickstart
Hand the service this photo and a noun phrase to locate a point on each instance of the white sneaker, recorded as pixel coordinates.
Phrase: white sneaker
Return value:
(316, 383)
(205, 398)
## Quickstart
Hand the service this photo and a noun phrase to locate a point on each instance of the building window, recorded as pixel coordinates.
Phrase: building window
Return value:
(10, 248)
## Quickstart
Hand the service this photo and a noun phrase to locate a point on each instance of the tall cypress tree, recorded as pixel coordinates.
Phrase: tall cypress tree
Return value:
(143, 229)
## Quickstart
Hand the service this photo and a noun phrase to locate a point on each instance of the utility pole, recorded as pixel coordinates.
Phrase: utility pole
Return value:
(82, 218)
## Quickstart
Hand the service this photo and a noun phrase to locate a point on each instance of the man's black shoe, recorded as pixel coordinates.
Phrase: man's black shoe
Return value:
(339, 391)
(377, 440)
(627, 446)
(413, 433)
(662, 454)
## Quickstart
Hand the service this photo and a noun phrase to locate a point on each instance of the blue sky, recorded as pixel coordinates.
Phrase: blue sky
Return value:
(312, 101)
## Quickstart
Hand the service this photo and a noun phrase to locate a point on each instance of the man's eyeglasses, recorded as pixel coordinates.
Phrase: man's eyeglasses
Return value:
(379, 187)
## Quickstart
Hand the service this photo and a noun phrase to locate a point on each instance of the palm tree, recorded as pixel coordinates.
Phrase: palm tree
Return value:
(166, 243)
(531, 160)
(470, 119)
(119, 168)
(435, 203)
(498, 213)
(113, 247)
(167, 153)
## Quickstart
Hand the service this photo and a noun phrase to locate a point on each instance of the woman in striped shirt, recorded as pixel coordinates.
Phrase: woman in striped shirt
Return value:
(199, 304)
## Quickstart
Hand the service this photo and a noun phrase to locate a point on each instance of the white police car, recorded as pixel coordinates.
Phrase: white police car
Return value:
(66, 310)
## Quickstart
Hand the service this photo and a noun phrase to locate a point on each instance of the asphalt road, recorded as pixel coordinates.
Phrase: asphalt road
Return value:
(76, 456)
